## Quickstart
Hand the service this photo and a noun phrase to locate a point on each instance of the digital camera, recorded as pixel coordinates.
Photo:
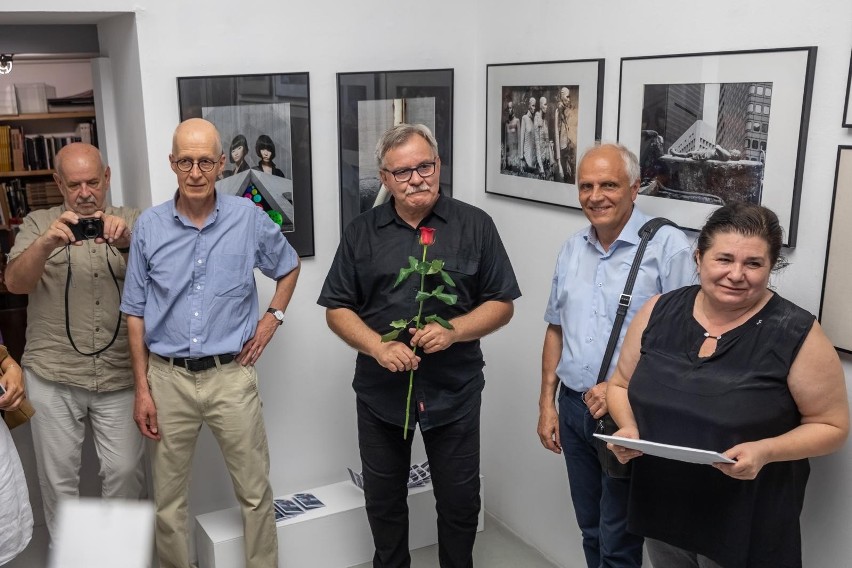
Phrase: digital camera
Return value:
(89, 228)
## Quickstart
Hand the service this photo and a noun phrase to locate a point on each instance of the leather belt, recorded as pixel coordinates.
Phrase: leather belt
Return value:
(199, 363)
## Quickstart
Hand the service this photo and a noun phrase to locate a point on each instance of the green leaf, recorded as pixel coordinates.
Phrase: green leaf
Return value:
(448, 299)
(399, 324)
(439, 320)
(423, 267)
(391, 335)
(422, 296)
(438, 290)
(436, 266)
(412, 262)
(447, 280)
(403, 274)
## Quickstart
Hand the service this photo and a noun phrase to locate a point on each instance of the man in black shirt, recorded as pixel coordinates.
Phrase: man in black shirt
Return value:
(361, 301)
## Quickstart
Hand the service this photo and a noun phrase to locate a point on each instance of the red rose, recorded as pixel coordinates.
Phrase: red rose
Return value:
(427, 236)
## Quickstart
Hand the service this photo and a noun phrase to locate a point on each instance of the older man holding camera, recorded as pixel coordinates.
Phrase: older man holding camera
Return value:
(71, 259)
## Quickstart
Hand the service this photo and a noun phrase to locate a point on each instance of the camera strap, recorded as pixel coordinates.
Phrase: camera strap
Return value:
(67, 319)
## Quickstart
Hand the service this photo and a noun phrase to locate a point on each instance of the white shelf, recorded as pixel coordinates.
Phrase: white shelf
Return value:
(333, 536)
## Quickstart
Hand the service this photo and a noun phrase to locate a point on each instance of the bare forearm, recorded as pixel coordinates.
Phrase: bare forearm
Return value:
(484, 319)
(551, 352)
(23, 273)
(284, 288)
(618, 404)
(350, 328)
(138, 352)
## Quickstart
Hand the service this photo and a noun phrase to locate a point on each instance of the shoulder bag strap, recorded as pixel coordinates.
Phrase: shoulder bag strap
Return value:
(646, 233)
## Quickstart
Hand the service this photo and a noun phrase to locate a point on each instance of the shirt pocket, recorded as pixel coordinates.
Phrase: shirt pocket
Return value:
(229, 275)
(463, 269)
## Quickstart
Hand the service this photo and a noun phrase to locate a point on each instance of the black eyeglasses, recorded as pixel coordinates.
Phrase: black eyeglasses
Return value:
(206, 165)
(424, 170)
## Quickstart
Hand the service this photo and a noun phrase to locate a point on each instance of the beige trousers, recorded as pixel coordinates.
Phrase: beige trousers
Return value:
(226, 399)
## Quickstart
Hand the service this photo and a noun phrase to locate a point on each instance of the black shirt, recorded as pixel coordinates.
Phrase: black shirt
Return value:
(374, 247)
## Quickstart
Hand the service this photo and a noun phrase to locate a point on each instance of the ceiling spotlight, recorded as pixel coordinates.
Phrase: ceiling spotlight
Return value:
(6, 63)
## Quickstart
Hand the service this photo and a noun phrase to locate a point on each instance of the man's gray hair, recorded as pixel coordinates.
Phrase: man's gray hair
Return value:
(631, 162)
(399, 135)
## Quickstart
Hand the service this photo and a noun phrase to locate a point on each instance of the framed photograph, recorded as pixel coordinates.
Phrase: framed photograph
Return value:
(370, 103)
(539, 118)
(710, 128)
(847, 112)
(265, 125)
(835, 309)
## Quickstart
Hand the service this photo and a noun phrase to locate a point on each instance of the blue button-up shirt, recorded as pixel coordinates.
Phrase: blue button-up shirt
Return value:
(588, 282)
(195, 287)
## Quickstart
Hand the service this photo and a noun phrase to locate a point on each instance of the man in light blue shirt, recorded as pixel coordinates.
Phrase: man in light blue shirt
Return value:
(191, 306)
(591, 271)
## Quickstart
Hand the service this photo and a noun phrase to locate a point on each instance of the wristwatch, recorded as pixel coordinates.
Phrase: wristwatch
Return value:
(279, 315)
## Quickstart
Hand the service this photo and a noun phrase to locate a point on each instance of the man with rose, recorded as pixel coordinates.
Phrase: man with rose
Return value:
(361, 300)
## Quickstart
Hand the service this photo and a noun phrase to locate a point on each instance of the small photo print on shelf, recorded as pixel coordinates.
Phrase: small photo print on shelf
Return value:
(287, 507)
(308, 501)
(418, 476)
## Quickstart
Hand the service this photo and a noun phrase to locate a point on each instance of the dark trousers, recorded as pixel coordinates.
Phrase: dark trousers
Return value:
(600, 502)
(453, 452)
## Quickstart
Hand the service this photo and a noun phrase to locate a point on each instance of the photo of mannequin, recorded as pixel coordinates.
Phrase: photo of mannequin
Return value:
(265, 150)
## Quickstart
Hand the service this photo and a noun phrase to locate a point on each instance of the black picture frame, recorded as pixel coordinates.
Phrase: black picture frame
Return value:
(835, 307)
(273, 105)
(847, 108)
(714, 159)
(553, 178)
(370, 102)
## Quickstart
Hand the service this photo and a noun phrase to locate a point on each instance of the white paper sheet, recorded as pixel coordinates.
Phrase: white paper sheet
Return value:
(680, 453)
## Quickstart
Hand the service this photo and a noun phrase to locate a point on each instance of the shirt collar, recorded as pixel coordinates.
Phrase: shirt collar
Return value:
(629, 233)
(210, 218)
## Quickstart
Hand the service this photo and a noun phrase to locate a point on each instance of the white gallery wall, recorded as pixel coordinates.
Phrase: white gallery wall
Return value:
(306, 372)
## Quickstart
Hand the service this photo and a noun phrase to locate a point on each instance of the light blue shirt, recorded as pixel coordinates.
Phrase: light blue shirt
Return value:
(588, 282)
(195, 287)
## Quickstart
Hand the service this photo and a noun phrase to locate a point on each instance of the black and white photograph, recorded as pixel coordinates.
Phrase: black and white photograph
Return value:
(539, 132)
(705, 142)
(289, 507)
(540, 116)
(368, 105)
(264, 123)
(712, 128)
(308, 501)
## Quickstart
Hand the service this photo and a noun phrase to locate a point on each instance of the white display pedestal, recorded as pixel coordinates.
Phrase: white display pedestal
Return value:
(334, 536)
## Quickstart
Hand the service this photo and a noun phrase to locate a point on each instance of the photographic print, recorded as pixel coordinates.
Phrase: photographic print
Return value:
(714, 128)
(264, 123)
(835, 310)
(540, 116)
(371, 103)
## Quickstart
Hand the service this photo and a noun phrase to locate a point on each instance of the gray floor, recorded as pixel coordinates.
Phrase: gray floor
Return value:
(495, 547)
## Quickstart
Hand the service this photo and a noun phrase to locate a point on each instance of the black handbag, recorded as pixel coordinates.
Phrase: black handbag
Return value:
(606, 425)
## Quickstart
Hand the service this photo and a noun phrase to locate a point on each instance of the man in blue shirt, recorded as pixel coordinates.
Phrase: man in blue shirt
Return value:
(591, 271)
(191, 306)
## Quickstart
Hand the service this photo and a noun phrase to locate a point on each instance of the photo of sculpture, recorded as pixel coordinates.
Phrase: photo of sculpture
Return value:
(538, 132)
(374, 118)
(259, 157)
(705, 142)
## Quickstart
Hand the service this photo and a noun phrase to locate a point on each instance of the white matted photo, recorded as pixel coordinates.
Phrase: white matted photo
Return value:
(712, 128)
(539, 117)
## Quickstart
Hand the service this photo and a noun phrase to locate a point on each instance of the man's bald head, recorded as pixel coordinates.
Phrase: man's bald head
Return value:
(78, 152)
(196, 131)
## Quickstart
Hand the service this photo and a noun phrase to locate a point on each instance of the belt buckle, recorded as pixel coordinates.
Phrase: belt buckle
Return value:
(195, 365)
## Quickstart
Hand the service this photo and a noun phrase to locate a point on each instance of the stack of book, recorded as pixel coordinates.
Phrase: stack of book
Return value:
(80, 102)
(43, 194)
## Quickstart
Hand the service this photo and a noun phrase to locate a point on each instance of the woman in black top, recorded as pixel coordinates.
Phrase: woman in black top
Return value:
(237, 156)
(265, 150)
(732, 367)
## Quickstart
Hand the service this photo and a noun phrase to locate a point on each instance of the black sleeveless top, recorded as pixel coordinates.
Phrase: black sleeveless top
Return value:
(737, 394)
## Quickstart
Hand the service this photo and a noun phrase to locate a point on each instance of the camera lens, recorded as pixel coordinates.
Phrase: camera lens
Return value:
(90, 231)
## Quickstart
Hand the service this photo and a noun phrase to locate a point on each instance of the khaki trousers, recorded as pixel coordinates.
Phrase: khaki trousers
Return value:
(58, 430)
(226, 399)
